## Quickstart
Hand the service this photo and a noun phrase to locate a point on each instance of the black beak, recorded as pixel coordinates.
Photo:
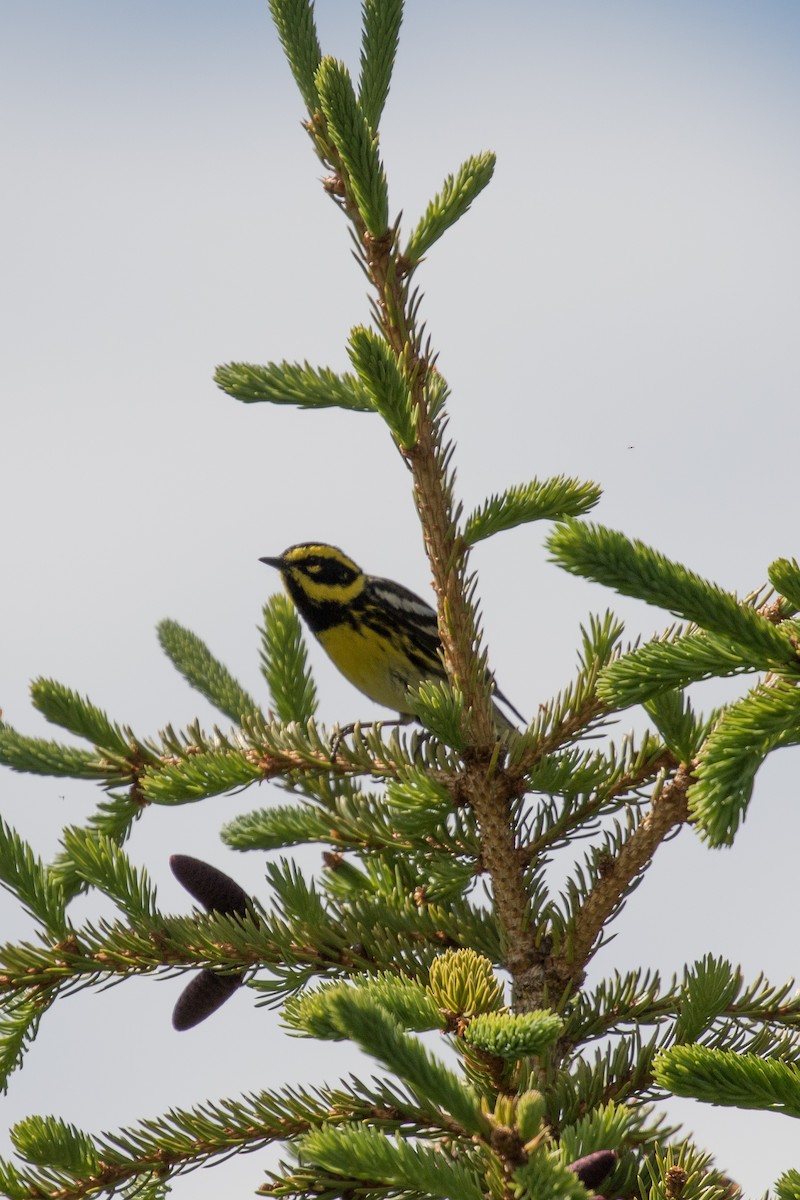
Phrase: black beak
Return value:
(273, 562)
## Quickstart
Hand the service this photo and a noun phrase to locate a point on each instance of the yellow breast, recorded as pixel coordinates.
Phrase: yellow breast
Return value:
(371, 664)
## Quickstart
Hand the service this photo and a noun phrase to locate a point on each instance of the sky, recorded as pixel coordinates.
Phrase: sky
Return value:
(620, 305)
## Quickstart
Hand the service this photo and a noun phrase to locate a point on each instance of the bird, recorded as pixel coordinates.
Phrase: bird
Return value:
(382, 637)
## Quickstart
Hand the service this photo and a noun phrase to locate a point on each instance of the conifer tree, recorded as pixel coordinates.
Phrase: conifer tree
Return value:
(551, 1088)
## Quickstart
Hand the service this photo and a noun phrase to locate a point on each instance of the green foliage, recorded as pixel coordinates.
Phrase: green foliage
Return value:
(294, 22)
(684, 1171)
(674, 661)
(730, 1078)
(112, 818)
(277, 827)
(788, 1186)
(198, 776)
(622, 1071)
(26, 877)
(350, 819)
(436, 393)
(293, 383)
(66, 708)
(12, 1182)
(379, 38)
(529, 1114)
(784, 575)
(103, 864)
(610, 1126)
(709, 988)
(52, 1143)
(190, 1137)
(378, 1033)
(284, 662)
(310, 1014)
(450, 204)
(35, 756)
(764, 720)
(199, 668)
(418, 803)
(356, 1152)
(710, 1002)
(545, 1176)
(464, 983)
(385, 382)
(630, 567)
(440, 708)
(514, 1035)
(355, 143)
(671, 713)
(19, 1024)
(546, 500)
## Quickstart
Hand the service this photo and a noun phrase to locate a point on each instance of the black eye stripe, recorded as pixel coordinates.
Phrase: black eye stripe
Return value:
(327, 570)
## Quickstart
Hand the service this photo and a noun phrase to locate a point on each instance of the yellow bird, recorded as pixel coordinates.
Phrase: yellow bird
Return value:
(381, 636)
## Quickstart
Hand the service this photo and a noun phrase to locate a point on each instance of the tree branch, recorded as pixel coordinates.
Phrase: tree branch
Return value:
(668, 809)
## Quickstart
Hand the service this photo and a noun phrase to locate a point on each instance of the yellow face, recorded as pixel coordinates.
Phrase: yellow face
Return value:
(321, 573)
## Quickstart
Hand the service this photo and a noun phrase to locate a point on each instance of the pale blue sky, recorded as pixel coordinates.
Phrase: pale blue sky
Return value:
(622, 304)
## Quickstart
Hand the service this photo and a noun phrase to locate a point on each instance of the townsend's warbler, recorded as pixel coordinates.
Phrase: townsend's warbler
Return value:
(382, 637)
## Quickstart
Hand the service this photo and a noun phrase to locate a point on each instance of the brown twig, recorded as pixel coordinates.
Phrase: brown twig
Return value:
(667, 810)
(481, 783)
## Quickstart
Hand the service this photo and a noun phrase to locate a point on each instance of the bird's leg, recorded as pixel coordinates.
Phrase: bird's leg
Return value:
(345, 730)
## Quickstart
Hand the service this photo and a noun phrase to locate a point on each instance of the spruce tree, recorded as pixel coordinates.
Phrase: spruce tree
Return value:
(433, 912)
